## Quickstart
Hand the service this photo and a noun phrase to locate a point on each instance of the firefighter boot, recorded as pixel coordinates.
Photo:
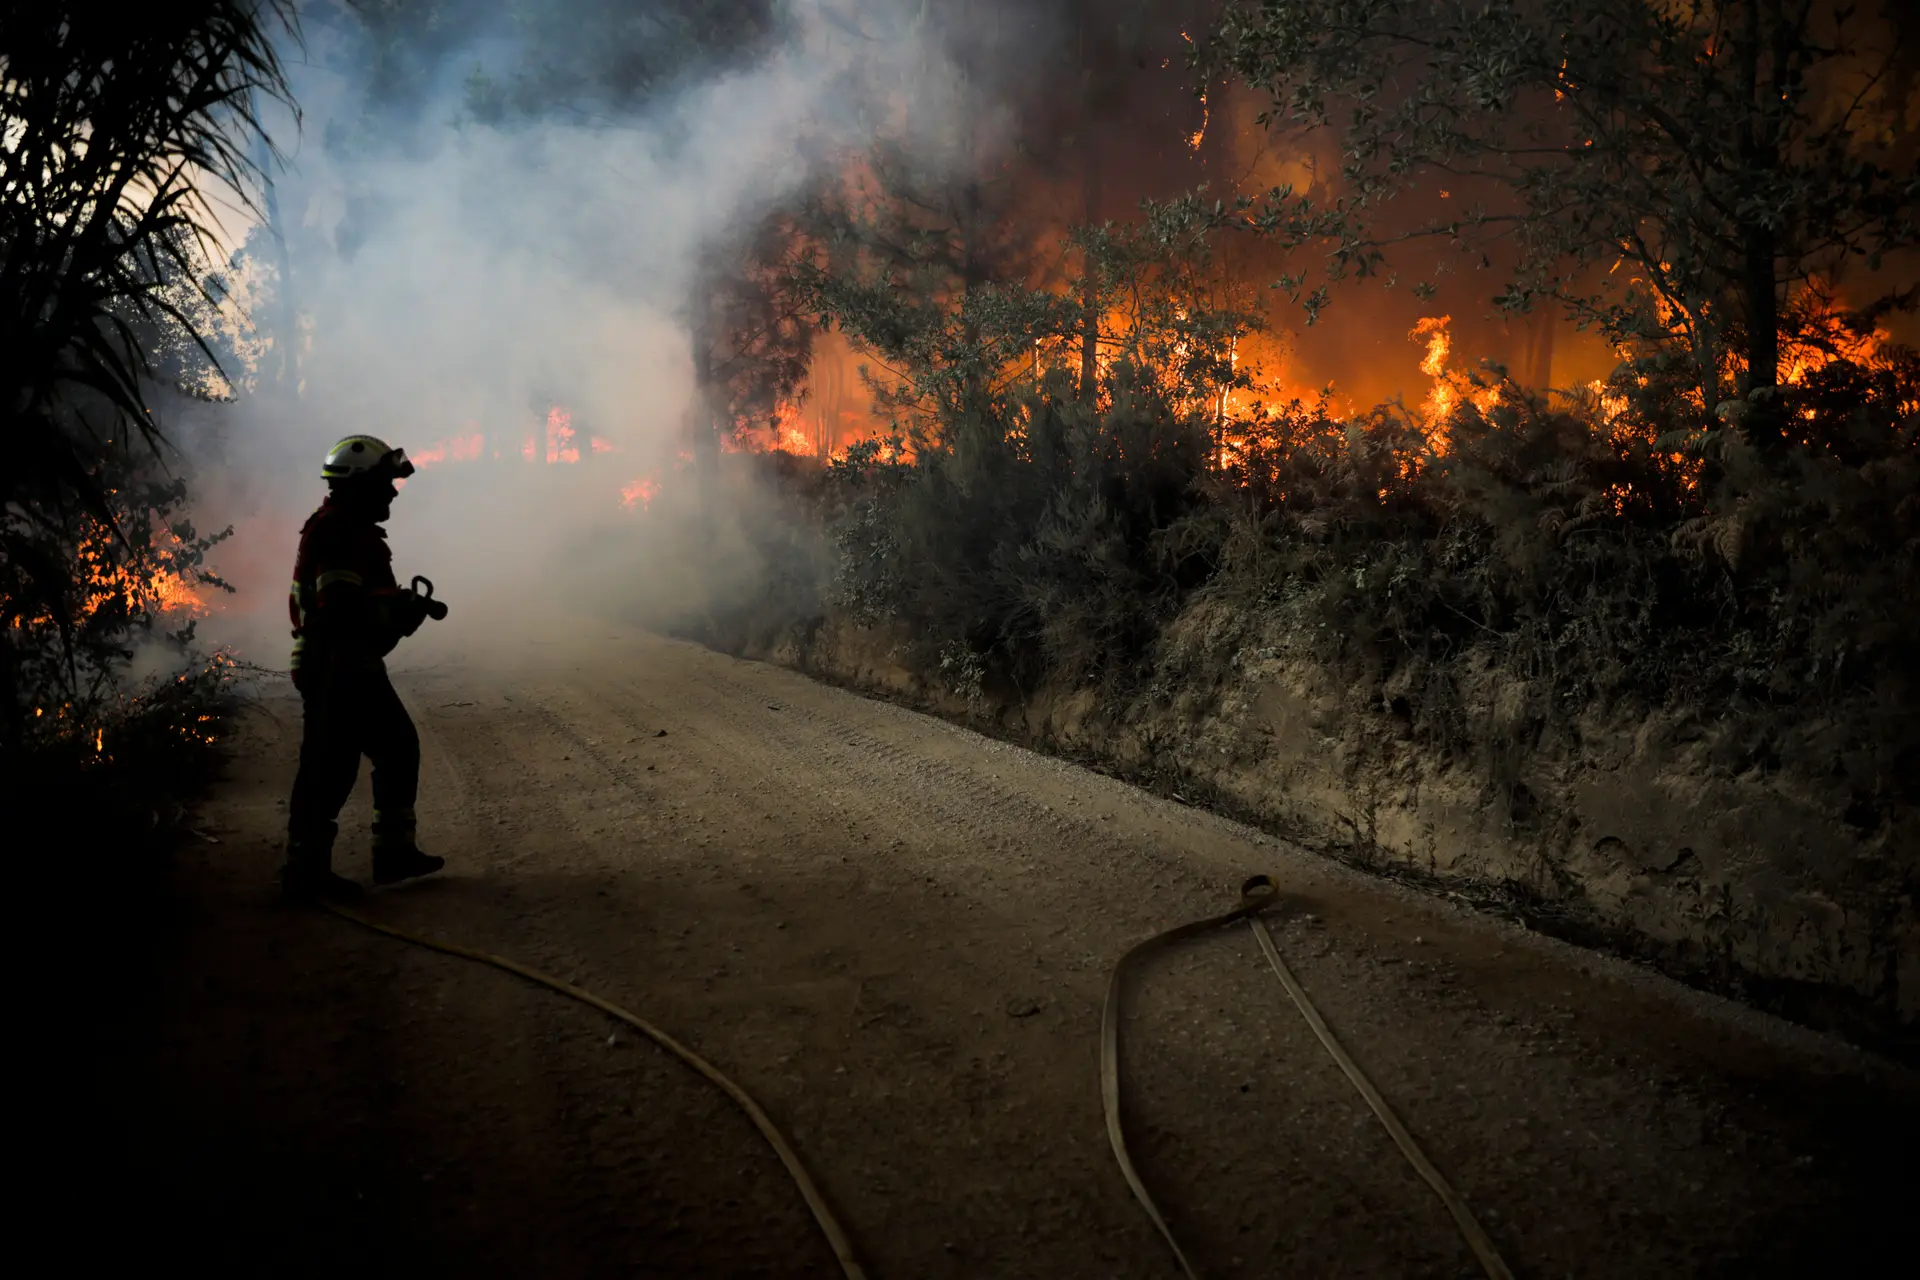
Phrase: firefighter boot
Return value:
(395, 856)
(308, 874)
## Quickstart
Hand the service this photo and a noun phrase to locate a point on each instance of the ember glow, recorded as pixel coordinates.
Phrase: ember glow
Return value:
(1825, 337)
(560, 446)
(463, 448)
(638, 495)
(163, 593)
(1451, 387)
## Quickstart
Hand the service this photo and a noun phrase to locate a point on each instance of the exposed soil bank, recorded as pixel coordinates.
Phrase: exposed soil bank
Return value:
(896, 935)
(1629, 839)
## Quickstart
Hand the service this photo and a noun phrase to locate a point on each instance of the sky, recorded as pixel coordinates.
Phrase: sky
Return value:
(448, 278)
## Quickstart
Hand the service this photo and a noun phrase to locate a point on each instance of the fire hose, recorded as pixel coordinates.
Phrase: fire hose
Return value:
(816, 1202)
(1256, 894)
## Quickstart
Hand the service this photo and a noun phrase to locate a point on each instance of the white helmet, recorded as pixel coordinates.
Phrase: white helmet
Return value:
(365, 455)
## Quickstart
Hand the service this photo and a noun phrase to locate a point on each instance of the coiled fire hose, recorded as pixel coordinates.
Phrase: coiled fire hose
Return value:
(816, 1202)
(1256, 895)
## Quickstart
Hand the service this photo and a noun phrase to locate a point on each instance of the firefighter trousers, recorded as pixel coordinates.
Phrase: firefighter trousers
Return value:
(344, 719)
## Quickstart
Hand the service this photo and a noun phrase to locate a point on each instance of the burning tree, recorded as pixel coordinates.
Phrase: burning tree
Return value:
(751, 338)
(1025, 530)
(1729, 154)
(914, 250)
(119, 138)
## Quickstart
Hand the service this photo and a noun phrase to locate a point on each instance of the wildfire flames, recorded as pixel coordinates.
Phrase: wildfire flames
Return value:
(639, 494)
(149, 588)
(560, 446)
(459, 449)
(826, 426)
(162, 593)
(556, 444)
(1824, 336)
(1451, 387)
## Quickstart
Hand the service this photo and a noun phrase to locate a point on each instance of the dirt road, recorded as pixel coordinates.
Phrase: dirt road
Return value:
(896, 934)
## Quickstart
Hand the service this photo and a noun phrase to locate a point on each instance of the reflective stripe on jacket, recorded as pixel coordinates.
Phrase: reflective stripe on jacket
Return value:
(342, 578)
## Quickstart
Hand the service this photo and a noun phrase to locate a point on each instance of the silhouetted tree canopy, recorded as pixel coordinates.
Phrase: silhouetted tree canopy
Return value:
(1723, 153)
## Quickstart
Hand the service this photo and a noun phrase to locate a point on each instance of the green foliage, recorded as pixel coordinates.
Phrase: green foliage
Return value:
(1030, 541)
(751, 333)
(118, 138)
(1606, 563)
(121, 139)
(1166, 309)
(1602, 555)
(1025, 529)
(1163, 315)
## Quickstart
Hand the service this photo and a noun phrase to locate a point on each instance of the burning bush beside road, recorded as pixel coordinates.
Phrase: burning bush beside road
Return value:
(118, 136)
(1632, 657)
(1492, 599)
(1493, 622)
(1592, 548)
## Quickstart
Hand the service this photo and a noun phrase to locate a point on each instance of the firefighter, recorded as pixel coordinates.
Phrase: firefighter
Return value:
(348, 614)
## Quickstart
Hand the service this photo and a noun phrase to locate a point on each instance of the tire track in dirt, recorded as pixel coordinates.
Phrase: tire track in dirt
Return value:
(1408, 1010)
(632, 1152)
(890, 784)
(919, 1033)
(896, 934)
(876, 782)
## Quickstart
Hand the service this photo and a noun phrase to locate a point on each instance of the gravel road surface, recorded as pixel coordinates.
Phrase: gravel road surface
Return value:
(896, 934)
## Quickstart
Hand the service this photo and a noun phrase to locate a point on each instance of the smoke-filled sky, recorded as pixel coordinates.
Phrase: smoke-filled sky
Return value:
(456, 270)
(492, 207)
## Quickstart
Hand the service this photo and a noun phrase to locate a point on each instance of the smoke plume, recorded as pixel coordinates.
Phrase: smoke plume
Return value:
(504, 292)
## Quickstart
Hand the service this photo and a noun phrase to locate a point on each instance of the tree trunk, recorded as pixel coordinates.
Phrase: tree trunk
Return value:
(1763, 332)
(1089, 284)
(1759, 153)
(973, 275)
(1089, 337)
(704, 424)
(1706, 357)
(1537, 368)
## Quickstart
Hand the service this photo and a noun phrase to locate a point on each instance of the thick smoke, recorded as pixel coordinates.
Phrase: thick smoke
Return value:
(445, 278)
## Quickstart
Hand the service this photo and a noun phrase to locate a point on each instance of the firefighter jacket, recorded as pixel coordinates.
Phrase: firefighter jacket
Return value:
(348, 612)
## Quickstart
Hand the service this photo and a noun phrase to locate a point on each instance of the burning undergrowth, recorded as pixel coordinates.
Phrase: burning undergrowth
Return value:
(1594, 545)
(1051, 492)
(121, 714)
(1491, 589)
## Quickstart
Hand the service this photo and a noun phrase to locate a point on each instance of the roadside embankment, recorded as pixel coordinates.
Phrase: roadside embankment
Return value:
(1627, 835)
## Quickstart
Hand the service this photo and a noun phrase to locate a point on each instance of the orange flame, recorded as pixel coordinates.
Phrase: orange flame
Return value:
(1825, 337)
(1435, 330)
(789, 435)
(1451, 387)
(639, 494)
(458, 448)
(165, 593)
(560, 446)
